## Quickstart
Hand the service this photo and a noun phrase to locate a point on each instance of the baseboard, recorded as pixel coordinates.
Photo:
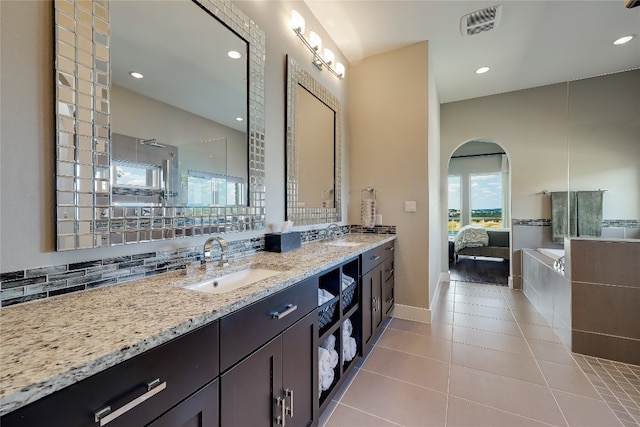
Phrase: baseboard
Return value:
(510, 282)
(408, 312)
(444, 277)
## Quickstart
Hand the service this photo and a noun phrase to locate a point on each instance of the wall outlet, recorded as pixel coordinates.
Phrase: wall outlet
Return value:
(410, 206)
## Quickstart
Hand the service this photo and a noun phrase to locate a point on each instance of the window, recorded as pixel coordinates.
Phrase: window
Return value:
(486, 199)
(129, 174)
(207, 189)
(454, 204)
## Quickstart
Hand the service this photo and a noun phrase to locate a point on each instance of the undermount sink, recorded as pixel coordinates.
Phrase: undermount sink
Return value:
(233, 281)
(343, 243)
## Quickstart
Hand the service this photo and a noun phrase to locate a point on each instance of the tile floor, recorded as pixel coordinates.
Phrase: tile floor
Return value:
(487, 359)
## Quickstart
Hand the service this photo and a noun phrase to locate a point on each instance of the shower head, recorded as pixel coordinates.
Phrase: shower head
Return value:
(152, 143)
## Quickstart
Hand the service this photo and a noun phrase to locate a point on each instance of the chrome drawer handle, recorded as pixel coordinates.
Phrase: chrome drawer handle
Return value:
(290, 308)
(375, 258)
(105, 415)
(390, 248)
(390, 271)
(280, 420)
(289, 393)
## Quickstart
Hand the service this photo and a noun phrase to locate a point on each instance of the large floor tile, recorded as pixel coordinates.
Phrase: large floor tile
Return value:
(396, 401)
(482, 310)
(487, 324)
(584, 412)
(539, 332)
(567, 378)
(551, 352)
(420, 345)
(463, 413)
(510, 365)
(492, 340)
(418, 370)
(483, 301)
(525, 316)
(433, 329)
(345, 416)
(519, 397)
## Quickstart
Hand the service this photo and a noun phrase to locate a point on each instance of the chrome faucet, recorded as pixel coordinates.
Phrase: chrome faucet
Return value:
(331, 226)
(223, 248)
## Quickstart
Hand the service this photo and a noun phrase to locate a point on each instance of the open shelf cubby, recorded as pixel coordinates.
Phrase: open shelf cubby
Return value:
(345, 307)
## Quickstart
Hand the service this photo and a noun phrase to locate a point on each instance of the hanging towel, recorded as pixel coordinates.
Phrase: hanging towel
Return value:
(589, 213)
(563, 215)
(368, 213)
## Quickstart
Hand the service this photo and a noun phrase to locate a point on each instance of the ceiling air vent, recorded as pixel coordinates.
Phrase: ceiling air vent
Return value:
(480, 21)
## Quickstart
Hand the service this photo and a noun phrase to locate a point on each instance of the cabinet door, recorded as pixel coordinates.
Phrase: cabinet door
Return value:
(199, 410)
(247, 389)
(371, 306)
(300, 371)
(376, 294)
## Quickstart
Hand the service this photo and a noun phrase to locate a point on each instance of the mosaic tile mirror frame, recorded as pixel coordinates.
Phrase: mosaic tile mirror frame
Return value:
(298, 213)
(85, 214)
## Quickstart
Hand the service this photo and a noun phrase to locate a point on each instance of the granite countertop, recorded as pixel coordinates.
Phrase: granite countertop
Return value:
(47, 345)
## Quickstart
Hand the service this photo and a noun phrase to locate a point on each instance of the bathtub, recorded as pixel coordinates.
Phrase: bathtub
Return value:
(555, 254)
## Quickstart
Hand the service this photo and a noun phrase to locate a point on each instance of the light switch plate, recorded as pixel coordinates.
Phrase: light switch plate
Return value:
(410, 206)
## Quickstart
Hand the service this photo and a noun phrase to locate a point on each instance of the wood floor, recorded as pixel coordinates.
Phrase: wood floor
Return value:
(480, 270)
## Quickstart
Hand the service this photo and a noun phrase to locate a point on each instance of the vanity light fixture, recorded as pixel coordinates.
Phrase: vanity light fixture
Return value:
(625, 39)
(314, 44)
(135, 74)
(234, 54)
(482, 70)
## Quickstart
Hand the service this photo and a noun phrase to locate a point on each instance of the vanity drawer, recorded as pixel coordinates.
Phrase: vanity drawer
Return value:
(245, 330)
(387, 270)
(178, 368)
(371, 258)
(389, 249)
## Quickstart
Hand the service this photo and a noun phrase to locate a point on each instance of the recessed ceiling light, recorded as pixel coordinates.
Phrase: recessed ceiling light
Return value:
(136, 75)
(625, 39)
(234, 54)
(239, 119)
(482, 70)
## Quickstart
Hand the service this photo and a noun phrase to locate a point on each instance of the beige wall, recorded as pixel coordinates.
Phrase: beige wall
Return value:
(389, 137)
(27, 198)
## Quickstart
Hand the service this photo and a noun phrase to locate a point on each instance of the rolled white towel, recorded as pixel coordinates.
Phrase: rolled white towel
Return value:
(334, 358)
(324, 360)
(347, 328)
(353, 346)
(326, 380)
(329, 343)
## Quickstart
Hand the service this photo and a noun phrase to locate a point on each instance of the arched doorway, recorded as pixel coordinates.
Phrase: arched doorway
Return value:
(479, 213)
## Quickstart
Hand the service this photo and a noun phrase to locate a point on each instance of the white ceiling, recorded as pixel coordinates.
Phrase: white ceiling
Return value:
(536, 43)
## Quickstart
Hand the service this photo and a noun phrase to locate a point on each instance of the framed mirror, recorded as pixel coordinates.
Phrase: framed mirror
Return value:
(313, 128)
(177, 153)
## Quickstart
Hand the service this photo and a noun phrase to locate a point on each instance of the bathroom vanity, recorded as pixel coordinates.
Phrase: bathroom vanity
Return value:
(153, 353)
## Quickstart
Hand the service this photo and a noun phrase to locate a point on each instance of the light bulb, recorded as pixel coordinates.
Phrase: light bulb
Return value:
(315, 41)
(340, 69)
(297, 22)
(329, 56)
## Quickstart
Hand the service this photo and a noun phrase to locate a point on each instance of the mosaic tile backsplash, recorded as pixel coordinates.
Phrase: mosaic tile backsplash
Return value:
(21, 286)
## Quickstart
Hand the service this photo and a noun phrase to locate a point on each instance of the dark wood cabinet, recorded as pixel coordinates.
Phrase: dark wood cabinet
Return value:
(377, 291)
(275, 385)
(371, 306)
(134, 392)
(199, 410)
